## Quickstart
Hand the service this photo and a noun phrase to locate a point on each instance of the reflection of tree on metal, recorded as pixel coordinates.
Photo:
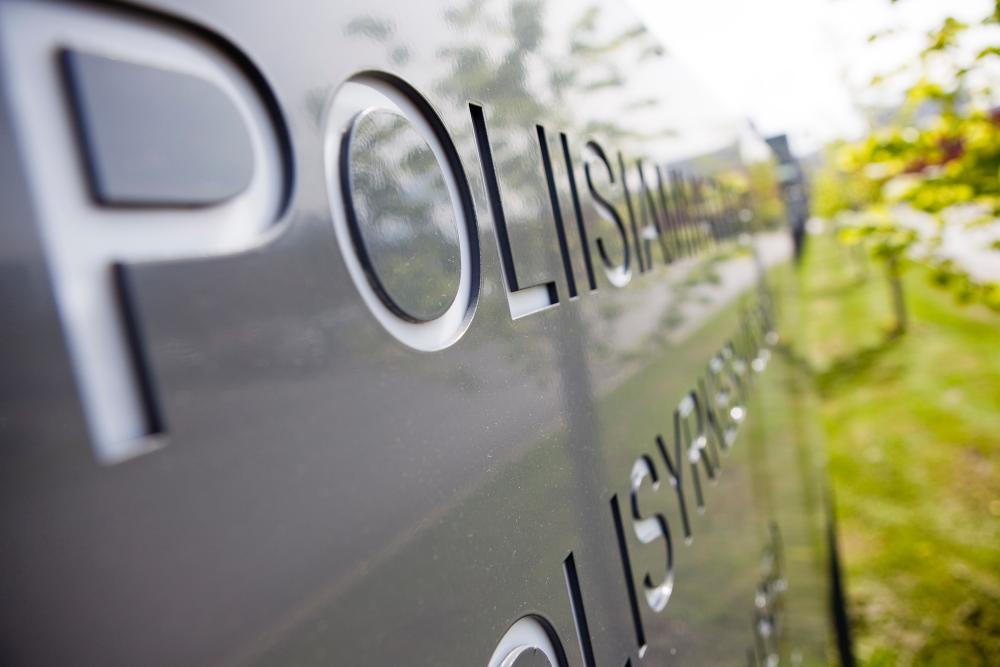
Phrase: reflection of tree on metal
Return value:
(409, 229)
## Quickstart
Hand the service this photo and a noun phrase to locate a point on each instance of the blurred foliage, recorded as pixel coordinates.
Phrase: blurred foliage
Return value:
(755, 186)
(940, 151)
(837, 189)
(912, 421)
(762, 186)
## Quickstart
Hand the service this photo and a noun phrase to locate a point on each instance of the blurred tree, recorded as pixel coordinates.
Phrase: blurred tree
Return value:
(762, 186)
(940, 151)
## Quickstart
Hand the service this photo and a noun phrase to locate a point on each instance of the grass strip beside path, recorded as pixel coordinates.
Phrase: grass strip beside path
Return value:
(913, 437)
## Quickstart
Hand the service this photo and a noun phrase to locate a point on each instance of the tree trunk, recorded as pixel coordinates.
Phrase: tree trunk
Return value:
(898, 297)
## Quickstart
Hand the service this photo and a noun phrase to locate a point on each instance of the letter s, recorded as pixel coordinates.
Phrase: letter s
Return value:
(650, 529)
(618, 275)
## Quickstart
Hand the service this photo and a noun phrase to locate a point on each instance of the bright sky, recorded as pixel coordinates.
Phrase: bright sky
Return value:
(797, 66)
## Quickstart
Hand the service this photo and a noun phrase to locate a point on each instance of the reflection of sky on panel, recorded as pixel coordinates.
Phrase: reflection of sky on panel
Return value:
(636, 97)
(669, 110)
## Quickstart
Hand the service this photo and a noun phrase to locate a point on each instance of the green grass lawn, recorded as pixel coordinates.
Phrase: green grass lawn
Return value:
(913, 439)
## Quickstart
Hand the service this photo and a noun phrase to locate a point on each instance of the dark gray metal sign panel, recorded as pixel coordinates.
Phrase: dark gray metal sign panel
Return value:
(466, 374)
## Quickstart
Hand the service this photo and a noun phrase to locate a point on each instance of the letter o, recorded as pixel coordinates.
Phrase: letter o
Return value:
(366, 113)
(529, 639)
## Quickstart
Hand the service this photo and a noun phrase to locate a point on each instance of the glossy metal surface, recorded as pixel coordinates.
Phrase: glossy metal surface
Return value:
(118, 102)
(401, 212)
(329, 495)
